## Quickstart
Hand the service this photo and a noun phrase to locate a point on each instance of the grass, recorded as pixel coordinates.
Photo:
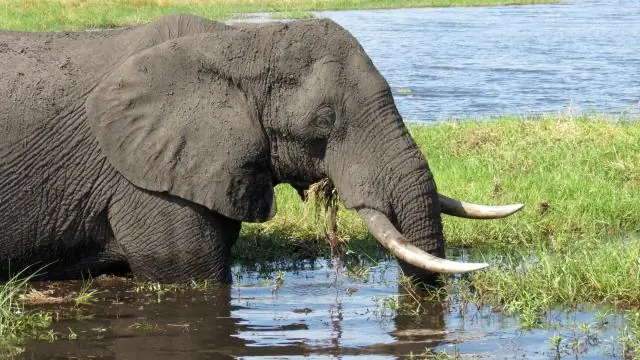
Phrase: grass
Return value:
(49, 15)
(17, 323)
(86, 295)
(528, 284)
(578, 177)
(21, 319)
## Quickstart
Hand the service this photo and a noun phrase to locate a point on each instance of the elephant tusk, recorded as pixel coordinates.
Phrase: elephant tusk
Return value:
(463, 209)
(384, 231)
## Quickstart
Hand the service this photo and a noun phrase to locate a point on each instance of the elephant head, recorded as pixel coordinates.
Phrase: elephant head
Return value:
(219, 118)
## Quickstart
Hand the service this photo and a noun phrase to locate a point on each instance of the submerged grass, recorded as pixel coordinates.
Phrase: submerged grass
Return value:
(528, 284)
(48, 15)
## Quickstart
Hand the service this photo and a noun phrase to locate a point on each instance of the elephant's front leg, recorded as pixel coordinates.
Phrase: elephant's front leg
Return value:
(168, 239)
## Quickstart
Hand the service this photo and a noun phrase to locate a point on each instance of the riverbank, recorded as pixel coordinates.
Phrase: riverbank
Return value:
(54, 15)
(575, 241)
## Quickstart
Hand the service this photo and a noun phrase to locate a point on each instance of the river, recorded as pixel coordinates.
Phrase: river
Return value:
(579, 56)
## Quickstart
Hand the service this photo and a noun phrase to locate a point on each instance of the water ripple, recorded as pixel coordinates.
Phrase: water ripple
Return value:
(459, 62)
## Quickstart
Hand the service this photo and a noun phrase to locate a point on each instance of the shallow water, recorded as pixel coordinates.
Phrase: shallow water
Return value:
(581, 55)
(314, 313)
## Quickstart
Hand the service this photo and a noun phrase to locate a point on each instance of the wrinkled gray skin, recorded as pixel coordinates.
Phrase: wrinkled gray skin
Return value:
(145, 148)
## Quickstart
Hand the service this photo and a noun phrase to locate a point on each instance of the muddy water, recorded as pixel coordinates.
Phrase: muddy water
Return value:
(310, 313)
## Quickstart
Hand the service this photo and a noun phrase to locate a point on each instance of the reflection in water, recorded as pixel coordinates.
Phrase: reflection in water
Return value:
(312, 313)
(319, 312)
(128, 325)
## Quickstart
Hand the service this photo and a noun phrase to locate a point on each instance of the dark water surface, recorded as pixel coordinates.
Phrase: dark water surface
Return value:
(582, 55)
(312, 314)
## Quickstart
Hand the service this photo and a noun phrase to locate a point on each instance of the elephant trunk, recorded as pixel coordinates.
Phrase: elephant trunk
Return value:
(395, 194)
(416, 214)
(388, 181)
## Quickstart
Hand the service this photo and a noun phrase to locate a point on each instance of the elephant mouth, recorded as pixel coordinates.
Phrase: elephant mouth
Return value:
(386, 233)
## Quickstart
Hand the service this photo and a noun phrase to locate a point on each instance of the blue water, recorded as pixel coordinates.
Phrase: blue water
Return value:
(579, 56)
(311, 313)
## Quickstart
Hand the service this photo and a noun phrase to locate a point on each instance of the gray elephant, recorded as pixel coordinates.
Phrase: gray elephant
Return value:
(143, 149)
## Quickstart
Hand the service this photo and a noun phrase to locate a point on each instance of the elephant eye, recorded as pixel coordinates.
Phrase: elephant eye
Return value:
(325, 117)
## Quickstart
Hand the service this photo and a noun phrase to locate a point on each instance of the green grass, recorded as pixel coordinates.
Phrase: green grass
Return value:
(17, 323)
(578, 177)
(86, 295)
(576, 241)
(529, 283)
(48, 15)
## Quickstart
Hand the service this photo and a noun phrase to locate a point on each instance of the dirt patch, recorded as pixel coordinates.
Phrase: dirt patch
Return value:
(41, 297)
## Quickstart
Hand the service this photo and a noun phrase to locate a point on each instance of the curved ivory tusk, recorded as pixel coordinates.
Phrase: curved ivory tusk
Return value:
(384, 231)
(463, 209)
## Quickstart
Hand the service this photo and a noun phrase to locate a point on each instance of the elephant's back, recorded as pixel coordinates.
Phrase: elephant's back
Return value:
(43, 75)
(39, 74)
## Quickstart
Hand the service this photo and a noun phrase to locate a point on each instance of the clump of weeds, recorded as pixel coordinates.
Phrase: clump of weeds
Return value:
(630, 338)
(582, 338)
(325, 197)
(17, 323)
(431, 354)
(160, 290)
(86, 295)
(144, 326)
(529, 284)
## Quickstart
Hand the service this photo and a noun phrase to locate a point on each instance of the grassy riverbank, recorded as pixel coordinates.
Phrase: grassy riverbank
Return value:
(573, 243)
(578, 177)
(48, 15)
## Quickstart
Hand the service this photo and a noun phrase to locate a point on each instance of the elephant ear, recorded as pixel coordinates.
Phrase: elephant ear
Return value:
(169, 121)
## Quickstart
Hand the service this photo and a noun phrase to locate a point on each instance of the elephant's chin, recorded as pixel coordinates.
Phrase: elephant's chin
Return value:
(384, 231)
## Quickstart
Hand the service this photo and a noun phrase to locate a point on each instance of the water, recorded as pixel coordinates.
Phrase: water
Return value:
(582, 55)
(312, 314)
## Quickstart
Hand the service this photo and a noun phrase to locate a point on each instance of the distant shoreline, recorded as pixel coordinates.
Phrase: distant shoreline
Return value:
(66, 15)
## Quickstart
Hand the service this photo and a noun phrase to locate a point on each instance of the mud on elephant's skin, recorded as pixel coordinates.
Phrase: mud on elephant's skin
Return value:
(143, 149)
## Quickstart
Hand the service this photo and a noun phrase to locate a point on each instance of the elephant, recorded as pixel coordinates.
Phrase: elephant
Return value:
(143, 149)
